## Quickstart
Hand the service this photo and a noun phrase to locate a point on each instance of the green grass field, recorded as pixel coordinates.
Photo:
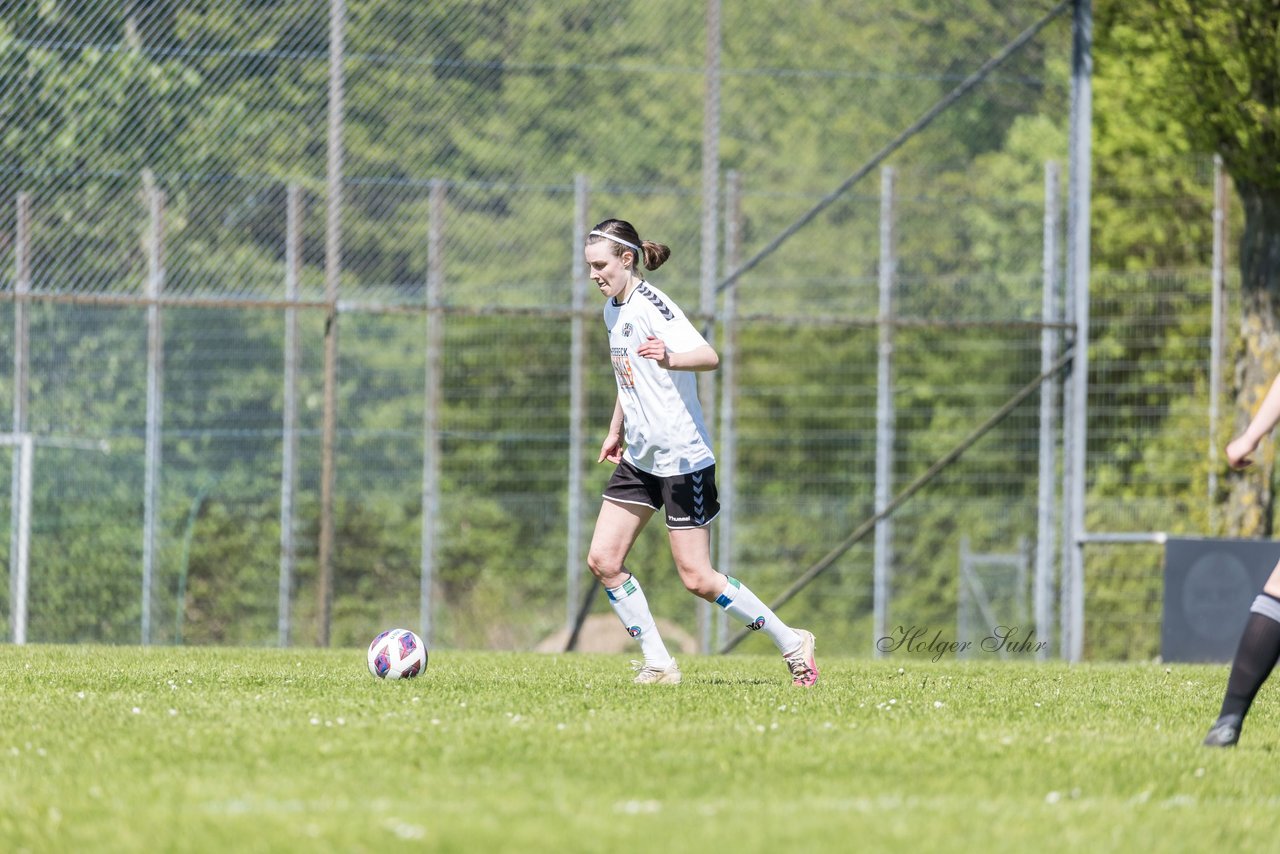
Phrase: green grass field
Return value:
(175, 749)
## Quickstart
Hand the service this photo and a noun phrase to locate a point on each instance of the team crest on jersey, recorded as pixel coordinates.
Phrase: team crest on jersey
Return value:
(626, 330)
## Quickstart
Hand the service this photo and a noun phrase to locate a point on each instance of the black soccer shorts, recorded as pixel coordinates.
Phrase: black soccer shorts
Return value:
(690, 500)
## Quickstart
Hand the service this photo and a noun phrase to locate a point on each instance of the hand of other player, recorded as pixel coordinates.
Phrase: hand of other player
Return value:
(1239, 450)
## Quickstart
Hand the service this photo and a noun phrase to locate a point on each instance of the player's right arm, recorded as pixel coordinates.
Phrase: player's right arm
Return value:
(700, 358)
(611, 449)
(1264, 421)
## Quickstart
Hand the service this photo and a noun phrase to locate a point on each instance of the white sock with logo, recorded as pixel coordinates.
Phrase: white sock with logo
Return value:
(631, 606)
(739, 602)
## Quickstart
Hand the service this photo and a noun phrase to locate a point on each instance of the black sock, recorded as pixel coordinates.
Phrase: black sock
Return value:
(1255, 657)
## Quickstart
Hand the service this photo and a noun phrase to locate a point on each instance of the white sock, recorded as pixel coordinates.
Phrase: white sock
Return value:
(631, 606)
(739, 602)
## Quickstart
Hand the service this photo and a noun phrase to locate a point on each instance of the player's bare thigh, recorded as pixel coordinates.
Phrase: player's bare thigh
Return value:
(691, 549)
(617, 527)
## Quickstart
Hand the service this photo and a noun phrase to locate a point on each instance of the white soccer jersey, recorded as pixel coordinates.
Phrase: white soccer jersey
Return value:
(663, 425)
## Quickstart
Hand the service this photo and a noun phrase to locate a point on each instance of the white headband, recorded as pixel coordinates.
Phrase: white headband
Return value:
(639, 252)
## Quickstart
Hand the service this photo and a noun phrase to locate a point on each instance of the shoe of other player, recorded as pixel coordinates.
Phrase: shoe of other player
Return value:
(1225, 732)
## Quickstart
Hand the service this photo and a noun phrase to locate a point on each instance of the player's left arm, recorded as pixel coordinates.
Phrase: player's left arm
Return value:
(700, 358)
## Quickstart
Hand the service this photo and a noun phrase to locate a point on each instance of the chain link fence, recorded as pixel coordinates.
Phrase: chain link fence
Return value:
(165, 225)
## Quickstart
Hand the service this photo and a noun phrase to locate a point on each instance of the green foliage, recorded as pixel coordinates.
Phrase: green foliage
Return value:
(1142, 148)
(1204, 77)
(1215, 73)
(506, 103)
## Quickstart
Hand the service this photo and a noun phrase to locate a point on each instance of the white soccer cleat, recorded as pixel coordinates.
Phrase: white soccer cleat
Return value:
(647, 674)
(803, 667)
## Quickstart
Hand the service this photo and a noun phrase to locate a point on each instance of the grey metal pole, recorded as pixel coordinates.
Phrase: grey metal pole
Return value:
(577, 402)
(1066, 524)
(332, 278)
(289, 427)
(1020, 579)
(1042, 595)
(710, 170)
(710, 242)
(963, 594)
(727, 453)
(431, 407)
(711, 167)
(155, 395)
(22, 551)
(883, 559)
(710, 157)
(1078, 260)
(21, 392)
(1216, 333)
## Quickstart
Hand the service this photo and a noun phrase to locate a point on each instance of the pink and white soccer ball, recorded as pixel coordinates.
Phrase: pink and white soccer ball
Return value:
(397, 654)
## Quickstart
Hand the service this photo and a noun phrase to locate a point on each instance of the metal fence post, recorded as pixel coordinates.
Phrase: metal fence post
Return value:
(431, 407)
(883, 560)
(155, 393)
(21, 558)
(710, 243)
(727, 457)
(964, 593)
(577, 402)
(1078, 267)
(1045, 547)
(1066, 524)
(1217, 333)
(332, 279)
(289, 427)
(21, 391)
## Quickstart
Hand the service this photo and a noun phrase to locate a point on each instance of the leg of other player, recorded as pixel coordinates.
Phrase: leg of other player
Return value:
(1255, 658)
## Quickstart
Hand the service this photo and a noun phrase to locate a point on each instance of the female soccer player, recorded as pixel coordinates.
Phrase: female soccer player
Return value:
(663, 456)
(1260, 643)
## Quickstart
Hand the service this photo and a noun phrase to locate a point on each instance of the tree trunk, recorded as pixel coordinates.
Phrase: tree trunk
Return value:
(1250, 493)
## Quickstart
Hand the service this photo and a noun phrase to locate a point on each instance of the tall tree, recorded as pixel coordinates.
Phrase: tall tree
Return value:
(1220, 88)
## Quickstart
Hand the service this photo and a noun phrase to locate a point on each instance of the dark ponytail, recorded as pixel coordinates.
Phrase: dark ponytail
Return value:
(624, 238)
(655, 254)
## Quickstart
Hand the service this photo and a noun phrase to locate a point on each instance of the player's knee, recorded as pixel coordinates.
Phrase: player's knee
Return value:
(700, 581)
(603, 565)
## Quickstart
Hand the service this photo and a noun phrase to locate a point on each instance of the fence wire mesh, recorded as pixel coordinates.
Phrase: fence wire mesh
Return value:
(469, 132)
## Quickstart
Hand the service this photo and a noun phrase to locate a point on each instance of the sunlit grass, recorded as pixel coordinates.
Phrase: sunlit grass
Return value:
(177, 749)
